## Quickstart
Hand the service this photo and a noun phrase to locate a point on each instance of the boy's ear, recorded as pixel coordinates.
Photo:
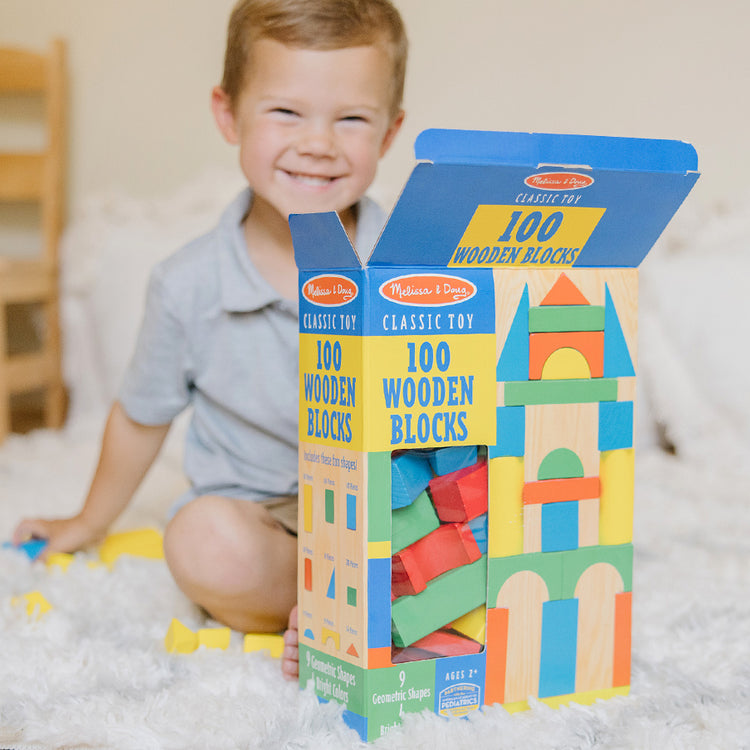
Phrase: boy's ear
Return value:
(392, 132)
(223, 112)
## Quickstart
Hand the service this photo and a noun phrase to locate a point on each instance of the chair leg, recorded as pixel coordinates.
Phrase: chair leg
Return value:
(55, 397)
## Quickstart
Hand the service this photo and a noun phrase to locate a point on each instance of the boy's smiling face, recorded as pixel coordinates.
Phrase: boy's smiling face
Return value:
(311, 125)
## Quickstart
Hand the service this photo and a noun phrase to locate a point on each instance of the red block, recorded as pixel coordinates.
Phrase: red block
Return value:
(448, 547)
(460, 495)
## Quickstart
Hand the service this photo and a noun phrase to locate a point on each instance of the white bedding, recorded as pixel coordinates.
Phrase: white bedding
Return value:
(93, 672)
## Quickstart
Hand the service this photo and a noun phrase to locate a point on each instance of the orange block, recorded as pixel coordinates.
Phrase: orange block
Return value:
(497, 655)
(379, 657)
(561, 490)
(308, 574)
(589, 343)
(564, 292)
(623, 625)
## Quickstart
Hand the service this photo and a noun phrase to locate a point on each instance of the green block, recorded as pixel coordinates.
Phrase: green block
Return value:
(583, 391)
(351, 596)
(445, 599)
(379, 496)
(577, 561)
(564, 318)
(547, 565)
(413, 522)
(330, 507)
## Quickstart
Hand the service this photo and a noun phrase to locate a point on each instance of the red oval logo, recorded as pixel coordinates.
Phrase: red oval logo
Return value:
(329, 290)
(559, 181)
(427, 290)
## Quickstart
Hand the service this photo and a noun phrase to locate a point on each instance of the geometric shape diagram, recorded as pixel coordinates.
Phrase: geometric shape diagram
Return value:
(513, 363)
(561, 463)
(330, 515)
(596, 591)
(331, 592)
(557, 669)
(446, 548)
(615, 425)
(352, 651)
(351, 512)
(564, 292)
(331, 635)
(351, 596)
(308, 574)
(544, 347)
(461, 495)
(446, 460)
(309, 634)
(617, 360)
(559, 526)
(523, 595)
(445, 599)
(410, 475)
(566, 363)
(581, 391)
(561, 490)
(564, 318)
(412, 522)
(511, 432)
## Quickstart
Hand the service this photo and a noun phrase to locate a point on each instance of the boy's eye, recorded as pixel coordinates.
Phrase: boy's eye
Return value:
(284, 112)
(354, 118)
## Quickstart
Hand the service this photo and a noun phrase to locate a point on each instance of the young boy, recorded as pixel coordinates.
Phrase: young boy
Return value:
(311, 95)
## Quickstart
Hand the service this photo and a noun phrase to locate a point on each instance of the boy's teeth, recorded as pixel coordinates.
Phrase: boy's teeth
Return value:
(312, 180)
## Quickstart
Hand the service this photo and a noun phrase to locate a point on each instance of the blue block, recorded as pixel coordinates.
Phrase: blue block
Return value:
(331, 593)
(617, 360)
(557, 669)
(351, 512)
(511, 432)
(514, 358)
(615, 425)
(32, 548)
(560, 526)
(410, 475)
(478, 528)
(379, 602)
(445, 460)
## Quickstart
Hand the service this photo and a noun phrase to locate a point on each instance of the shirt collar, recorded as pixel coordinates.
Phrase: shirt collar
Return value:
(243, 289)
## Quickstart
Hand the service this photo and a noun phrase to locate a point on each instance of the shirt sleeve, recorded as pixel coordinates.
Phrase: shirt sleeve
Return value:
(156, 386)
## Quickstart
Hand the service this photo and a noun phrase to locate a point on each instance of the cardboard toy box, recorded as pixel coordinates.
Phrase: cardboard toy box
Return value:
(466, 454)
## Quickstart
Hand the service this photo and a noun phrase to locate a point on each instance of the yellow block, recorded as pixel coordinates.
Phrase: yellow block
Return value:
(307, 507)
(214, 637)
(180, 639)
(270, 642)
(36, 604)
(138, 542)
(59, 559)
(506, 507)
(473, 624)
(617, 474)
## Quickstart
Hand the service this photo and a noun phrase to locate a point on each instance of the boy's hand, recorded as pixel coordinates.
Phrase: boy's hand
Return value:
(62, 535)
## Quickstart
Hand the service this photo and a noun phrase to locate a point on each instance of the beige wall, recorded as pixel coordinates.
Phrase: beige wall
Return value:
(142, 70)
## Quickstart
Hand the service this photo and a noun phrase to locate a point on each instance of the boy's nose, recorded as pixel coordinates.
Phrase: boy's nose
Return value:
(317, 140)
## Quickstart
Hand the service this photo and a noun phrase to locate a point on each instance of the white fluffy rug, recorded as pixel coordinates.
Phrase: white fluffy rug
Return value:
(93, 672)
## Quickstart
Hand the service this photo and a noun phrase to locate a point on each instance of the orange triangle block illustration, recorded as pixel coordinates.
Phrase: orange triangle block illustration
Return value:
(564, 292)
(352, 651)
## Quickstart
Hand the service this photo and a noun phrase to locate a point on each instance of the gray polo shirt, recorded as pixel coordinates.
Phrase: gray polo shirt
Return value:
(217, 336)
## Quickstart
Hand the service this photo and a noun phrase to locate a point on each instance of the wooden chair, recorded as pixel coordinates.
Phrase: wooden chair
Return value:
(34, 177)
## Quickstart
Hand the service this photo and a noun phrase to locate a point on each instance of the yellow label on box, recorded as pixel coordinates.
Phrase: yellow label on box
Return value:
(536, 236)
(430, 391)
(331, 390)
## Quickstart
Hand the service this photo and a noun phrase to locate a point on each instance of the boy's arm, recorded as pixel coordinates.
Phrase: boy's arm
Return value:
(127, 452)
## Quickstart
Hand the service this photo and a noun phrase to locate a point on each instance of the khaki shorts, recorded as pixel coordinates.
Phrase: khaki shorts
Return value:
(284, 510)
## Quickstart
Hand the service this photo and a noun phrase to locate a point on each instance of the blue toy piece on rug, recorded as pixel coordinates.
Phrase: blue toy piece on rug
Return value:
(33, 547)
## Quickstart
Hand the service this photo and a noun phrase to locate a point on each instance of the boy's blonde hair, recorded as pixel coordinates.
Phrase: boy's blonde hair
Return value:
(313, 24)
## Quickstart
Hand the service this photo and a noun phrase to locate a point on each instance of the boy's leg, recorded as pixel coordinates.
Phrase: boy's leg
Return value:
(233, 559)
